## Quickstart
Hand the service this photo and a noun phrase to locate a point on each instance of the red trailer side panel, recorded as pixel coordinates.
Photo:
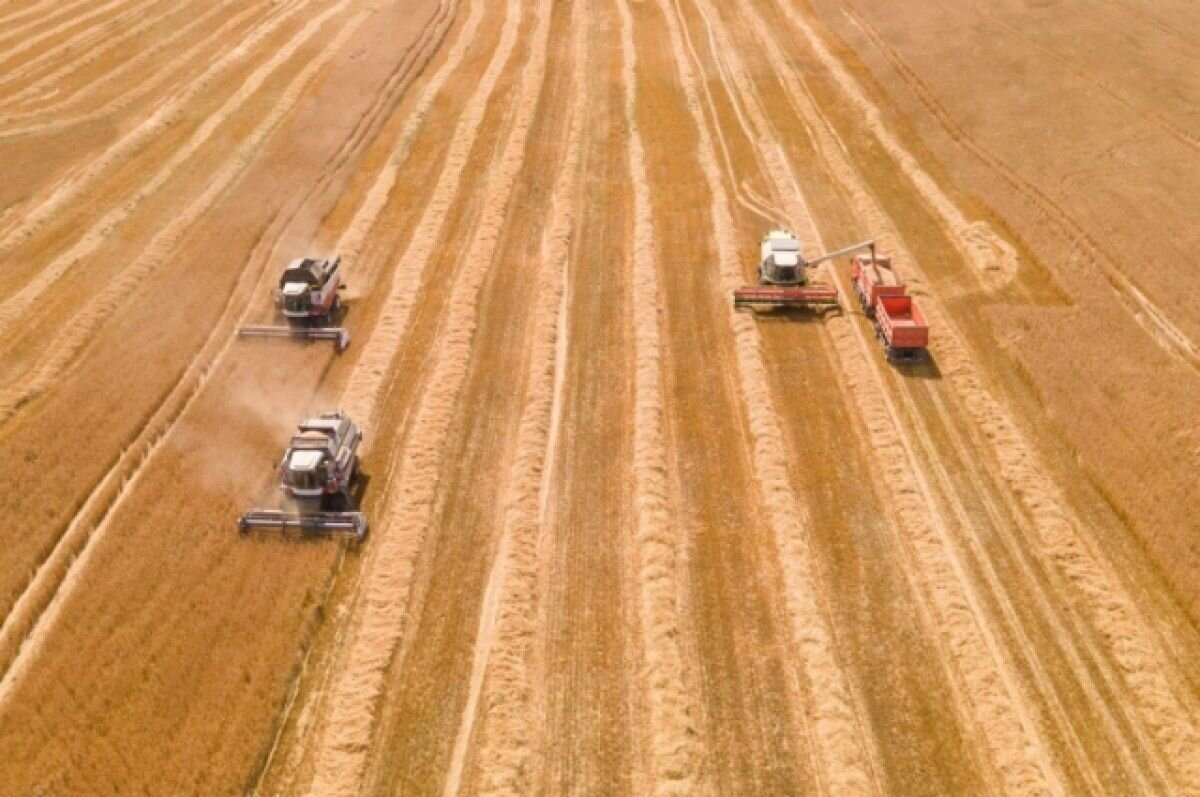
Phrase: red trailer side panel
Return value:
(902, 323)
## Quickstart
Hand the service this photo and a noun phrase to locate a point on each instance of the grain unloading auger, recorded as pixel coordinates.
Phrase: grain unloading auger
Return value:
(317, 472)
(782, 275)
(307, 298)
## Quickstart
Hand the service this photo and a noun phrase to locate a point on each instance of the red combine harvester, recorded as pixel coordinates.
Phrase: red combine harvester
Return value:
(782, 277)
(899, 323)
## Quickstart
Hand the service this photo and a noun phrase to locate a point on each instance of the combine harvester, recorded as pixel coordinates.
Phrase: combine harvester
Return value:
(783, 278)
(307, 297)
(899, 323)
(316, 472)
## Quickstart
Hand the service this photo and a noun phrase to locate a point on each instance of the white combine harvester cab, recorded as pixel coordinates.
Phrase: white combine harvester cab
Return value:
(783, 275)
(782, 263)
(294, 301)
(317, 473)
(308, 288)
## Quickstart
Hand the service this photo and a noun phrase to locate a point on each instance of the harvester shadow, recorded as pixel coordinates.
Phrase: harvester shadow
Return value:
(357, 490)
(925, 368)
(336, 318)
(792, 315)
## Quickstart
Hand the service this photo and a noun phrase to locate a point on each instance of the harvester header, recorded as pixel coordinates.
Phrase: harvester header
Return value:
(307, 298)
(317, 473)
(783, 279)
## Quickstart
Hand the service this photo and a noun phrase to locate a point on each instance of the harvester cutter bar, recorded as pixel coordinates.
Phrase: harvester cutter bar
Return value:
(351, 523)
(785, 295)
(339, 335)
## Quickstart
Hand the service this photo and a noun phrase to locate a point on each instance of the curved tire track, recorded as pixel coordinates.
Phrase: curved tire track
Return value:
(1142, 663)
(1161, 329)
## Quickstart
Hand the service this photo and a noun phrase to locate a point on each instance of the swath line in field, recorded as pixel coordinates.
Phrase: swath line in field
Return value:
(15, 306)
(48, 82)
(833, 151)
(1005, 722)
(167, 114)
(142, 83)
(676, 752)
(419, 56)
(79, 331)
(68, 49)
(16, 31)
(343, 739)
(362, 394)
(1143, 664)
(840, 740)
(501, 678)
(33, 41)
(31, 606)
(71, 552)
(354, 238)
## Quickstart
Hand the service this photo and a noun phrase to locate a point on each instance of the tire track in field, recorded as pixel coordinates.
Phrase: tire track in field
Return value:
(1074, 642)
(1149, 115)
(343, 740)
(1143, 664)
(503, 694)
(1149, 316)
(169, 113)
(841, 743)
(68, 50)
(675, 747)
(1034, 489)
(1001, 719)
(989, 677)
(1151, 20)
(742, 194)
(833, 152)
(46, 82)
(353, 239)
(81, 328)
(58, 573)
(139, 84)
(995, 258)
(13, 308)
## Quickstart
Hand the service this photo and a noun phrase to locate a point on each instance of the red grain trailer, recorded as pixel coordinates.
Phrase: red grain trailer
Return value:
(873, 276)
(901, 328)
